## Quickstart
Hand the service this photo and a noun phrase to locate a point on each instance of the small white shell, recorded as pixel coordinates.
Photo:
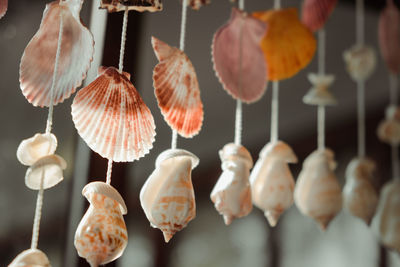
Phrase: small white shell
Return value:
(319, 93)
(32, 149)
(360, 62)
(389, 129)
(30, 258)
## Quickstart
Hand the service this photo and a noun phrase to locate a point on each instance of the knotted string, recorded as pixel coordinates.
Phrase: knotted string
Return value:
(321, 71)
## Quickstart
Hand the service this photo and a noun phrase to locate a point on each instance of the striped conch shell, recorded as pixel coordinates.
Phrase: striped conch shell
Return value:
(386, 223)
(3, 7)
(231, 194)
(46, 168)
(101, 236)
(167, 197)
(319, 93)
(360, 62)
(272, 183)
(317, 193)
(76, 54)
(30, 258)
(389, 129)
(359, 195)
(137, 5)
(315, 13)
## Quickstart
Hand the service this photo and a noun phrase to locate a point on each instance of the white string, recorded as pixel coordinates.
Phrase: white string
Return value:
(395, 162)
(321, 51)
(277, 4)
(38, 215)
(238, 123)
(393, 84)
(360, 21)
(123, 40)
(361, 117)
(241, 4)
(274, 111)
(321, 127)
(321, 71)
(109, 171)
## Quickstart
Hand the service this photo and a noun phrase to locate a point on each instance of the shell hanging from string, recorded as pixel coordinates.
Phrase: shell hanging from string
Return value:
(38, 60)
(272, 182)
(315, 13)
(319, 94)
(360, 62)
(3, 7)
(197, 4)
(30, 258)
(389, 129)
(137, 5)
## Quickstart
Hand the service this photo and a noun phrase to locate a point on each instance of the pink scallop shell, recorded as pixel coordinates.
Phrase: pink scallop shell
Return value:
(316, 12)
(389, 38)
(37, 63)
(3, 7)
(112, 118)
(238, 43)
(177, 89)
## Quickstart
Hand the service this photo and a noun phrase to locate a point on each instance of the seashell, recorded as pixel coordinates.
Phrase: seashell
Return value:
(32, 149)
(137, 5)
(315, 13)
(167, 197)
(112, 118)
(231, 194)
(317, 192)
(359, 195)
(30, 258)
(3, 7)
(271, 181)
(48, 169)
(236, 50)
(389, 129)
(37, 63)
(102, 236)
(319, 93)
(386, 223)
(360, 61)
(177, 89)
(288, 45)
(389, 39)
(197, 4)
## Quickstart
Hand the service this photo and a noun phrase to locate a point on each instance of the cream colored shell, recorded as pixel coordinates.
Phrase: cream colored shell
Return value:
(30, 258)
(389, 129)
(32, 149)
(319, 93)
(360, 62)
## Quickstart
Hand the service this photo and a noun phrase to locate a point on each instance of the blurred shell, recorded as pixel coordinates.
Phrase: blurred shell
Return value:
(359, 195)
(288, 45)
(231, 194)
(167, 197)
(137, 5)
(112, 118)
(317, 193)
(37, 63)
(238, 58)
(32, 149)
(315, 13)
(49, 168)
(386, 223)
(30, 258)
(389, 129)
(101, 236)
(319, 93)
(360, 62)
(271, 181)
(3, 7)
(389, 39)
(197, 4)
(177, 89)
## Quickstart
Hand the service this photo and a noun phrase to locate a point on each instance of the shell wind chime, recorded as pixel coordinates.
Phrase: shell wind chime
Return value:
(167, 197)
(113, 120)
(53, 65)
(240, 67)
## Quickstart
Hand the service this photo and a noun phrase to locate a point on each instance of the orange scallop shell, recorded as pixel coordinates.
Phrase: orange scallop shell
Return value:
(177, 89)
(37, 63)
(3, 7)
(112, 118)
(137, 5)
(315, 13)
(288, 45)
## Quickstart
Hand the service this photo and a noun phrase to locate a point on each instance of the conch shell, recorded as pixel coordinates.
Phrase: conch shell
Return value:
(389, 129)
(231, 194)
(30, 258)
(3, 7)
(386, 223)
(315, 13)
(359, 195)
(137, 5)
(317, 193)
(167, 197)
(272, 183)
(319, 93)
(360, 62)
(101, 236)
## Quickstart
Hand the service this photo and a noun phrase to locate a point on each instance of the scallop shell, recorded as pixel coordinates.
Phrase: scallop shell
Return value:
(319, 93)
(112, 118)
(238, 58)
(360, 62)
(359, 195)
(288, 45)
(37, 63)
(102, 236)
(167, 197)
(30, 258)
(3, 7)
(389, 38)
(231, 194)
(315, 13)
(32, 149)
(272, 183)
(386, 223)
(177, 89)
(317, 193)
(137, 5)
(389, 129)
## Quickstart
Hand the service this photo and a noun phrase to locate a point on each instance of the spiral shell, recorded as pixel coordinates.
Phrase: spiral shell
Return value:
(315, 13)
(3, 7)
(360, 62)
(319, 93)
(30, 258)
(389, 129)
(137, 5)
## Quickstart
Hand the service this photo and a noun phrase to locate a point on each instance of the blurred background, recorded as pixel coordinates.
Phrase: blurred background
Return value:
(250, 241)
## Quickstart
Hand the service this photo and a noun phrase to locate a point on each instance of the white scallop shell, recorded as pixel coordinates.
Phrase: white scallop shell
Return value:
(319, 93)
(30, 258)
(32, 149)
(360, 62)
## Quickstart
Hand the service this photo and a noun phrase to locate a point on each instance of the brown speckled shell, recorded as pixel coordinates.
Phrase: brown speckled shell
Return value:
(137, 5)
